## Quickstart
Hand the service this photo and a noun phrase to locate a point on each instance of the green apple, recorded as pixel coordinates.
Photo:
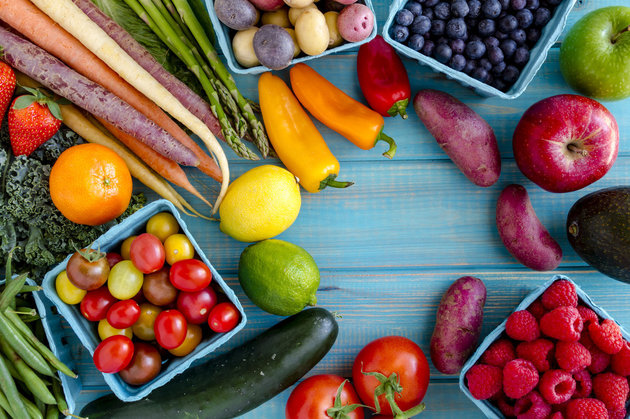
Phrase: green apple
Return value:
(595, 55)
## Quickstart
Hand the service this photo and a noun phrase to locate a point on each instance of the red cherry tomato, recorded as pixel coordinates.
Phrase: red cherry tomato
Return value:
(113, 354)
(123, 314)
(95, 304)
(190, 275)
(113, 258)
(196, 306)
(223, 317)
(170, 329)
(315, 395)
(388, 355)
(147, 253)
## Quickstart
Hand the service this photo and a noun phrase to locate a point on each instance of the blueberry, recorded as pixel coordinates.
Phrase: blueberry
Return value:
(510, 75)
(480, 74)
(525, 18)
(428, 48)
(532, 4)
(518, 4)
(533, 35)
(486, 27)
(499, 84)
(491, 8)
(508, 24)
(475, 38)
(470, 66)
(441, 40)
(414, 7)
(400, 33)
(428, 13)
(471, 22)
(442, 11)
(508, 46)
(459, 8)
(498, 69)
(521, 56)
(542, 16)
(437, 27)
(491, 41)
(501, 35)
(404, 17)
(495, 55)
(457, 45)
(458, 62)
(430, 3)
(456, 28)
(502, 14)
(474, 8)
(420, 25)
(416, 42)
(443, 53)
(519, 36)
(475, 50)
(505, 4)
(485, 64)
(554, 2)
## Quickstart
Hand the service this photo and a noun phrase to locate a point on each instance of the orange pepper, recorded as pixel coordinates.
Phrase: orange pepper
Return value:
(295, 138)
(338, 111)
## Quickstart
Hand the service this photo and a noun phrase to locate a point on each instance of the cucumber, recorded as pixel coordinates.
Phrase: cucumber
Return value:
(239, 381)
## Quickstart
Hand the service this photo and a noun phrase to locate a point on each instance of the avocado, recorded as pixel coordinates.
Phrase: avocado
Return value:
(598, 228)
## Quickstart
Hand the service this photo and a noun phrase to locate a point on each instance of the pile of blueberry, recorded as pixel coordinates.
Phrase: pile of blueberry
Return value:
(489, 40)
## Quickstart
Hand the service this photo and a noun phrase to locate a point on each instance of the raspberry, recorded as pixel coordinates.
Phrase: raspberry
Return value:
(599, 359)
(556, 415)
(562, 323)
(532, 406)
(587, 314)
(620, 362)
(484, 381)
(537, 309)
(522, 325)
(556, 386)
(586, 409)
(572, 356)
(539, 352)
(617, 414)
(583, 384)
(559, 294)
(560, 407)
(607, 336)
(612, 389)
(499, 353)
(506, 406)
(519, 378)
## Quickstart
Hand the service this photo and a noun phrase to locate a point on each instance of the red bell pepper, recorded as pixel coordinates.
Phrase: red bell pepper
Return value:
(383, 78)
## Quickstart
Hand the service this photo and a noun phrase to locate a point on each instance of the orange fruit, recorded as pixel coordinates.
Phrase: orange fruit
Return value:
(90, 184)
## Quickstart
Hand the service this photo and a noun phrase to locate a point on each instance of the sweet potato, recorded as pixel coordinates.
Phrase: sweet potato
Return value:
(464, 135)
(522, 232)
(458, 324)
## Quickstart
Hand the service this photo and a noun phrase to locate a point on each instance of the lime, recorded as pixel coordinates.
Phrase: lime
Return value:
(279, 277)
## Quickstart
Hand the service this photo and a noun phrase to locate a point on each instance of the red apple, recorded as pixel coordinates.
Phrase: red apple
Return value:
(566, 142)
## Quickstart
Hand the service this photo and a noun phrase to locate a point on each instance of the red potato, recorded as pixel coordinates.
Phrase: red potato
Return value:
(522, 232)
(458, 324)
(267, 5)
(355, 22)
(464, 135)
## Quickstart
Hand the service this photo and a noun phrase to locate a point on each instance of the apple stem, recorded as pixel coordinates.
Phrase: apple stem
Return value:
(575, 149)
(618, 35)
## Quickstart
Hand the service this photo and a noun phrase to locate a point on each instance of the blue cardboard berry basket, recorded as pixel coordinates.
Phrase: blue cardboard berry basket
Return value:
(224, 40)
(87, 331)
(550, 34)
(485, 406)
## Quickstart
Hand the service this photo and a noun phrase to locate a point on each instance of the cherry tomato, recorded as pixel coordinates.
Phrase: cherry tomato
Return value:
(139, 297)
(105, 330)
(125, 280)
(190, 275)
(123, 314)
(193, 337)
(113, 354)
(157, 288)
(196, 306)
(223, 317)
(144, 366)
(143, 327)
(125, 247)
(113, 258)
(170, 329)
(178, 247)
(87, 269)
(162, 225)
(66, 290)
(315, 395)
(147, 253)
(95, 304)
(388, 355)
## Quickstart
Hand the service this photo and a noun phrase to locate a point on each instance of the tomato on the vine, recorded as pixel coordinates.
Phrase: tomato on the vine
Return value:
(123, 314)
(323, 397)
(170, 329)
(374, 367)
(95, 304)
(190, 275)
(196, 306)
(223, 317)
(88, 269)
(113, 354)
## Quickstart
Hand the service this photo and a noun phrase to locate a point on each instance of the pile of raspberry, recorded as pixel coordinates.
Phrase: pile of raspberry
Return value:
(558, 360)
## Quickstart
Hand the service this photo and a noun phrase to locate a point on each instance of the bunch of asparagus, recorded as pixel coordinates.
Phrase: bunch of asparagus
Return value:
(177, 25)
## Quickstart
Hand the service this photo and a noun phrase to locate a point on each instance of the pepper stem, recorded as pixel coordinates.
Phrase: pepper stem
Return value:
(389, 140)
(330, 181)
(399, 108)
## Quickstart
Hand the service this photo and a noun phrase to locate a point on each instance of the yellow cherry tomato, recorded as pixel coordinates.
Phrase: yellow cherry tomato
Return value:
(67, 291)
(192, 339)
(177, 248)
(106, 330)
(162, 225)
(143, 327)
(124, 280)
(125, 247)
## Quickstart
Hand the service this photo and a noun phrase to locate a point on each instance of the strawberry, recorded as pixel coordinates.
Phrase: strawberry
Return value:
(7, 86)
(33, 120)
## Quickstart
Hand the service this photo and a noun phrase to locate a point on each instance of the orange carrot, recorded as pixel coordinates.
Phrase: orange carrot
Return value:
(27, 19)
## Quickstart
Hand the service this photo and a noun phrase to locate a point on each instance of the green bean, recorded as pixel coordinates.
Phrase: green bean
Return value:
(41, 348)
(41, 406)
(3, 415)
(4, 403)
(23, 348)
(7, 298)
(61, 400)
(14, 373)
(31, 409)
(22, 311)
(8, 275)
(11, 392)
(52, 412)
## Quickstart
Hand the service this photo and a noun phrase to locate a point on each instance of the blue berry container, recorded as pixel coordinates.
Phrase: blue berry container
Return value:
(224, 39)
(86, 331)
(490, 410)
(550, 34)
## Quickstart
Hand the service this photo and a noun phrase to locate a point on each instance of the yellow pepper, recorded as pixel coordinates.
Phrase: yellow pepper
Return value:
(295, 138)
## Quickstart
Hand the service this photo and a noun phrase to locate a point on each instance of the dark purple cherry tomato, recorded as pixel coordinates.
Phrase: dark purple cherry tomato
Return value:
(113, 258)
(113, 354)
(170, 329)
(147, 253)
(144, 366)
(123, 314)
(157, 288)
(196, 306)
(190, 275)
(88, 269)
(223, 317)
(96, 304)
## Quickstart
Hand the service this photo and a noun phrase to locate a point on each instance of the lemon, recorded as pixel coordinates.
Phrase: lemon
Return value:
(260, 204)
(278, 276)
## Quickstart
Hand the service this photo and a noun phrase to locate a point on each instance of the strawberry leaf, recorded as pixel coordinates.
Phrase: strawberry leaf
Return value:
(24, 101)
(53, 107)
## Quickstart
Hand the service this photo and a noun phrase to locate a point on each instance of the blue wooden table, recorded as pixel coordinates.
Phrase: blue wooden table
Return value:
(389, 246)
